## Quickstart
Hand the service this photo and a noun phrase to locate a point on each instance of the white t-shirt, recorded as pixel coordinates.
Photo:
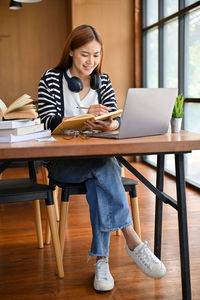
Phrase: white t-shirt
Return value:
(72, 101)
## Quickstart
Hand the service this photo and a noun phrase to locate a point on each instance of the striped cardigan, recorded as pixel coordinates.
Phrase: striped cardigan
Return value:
(51, 100)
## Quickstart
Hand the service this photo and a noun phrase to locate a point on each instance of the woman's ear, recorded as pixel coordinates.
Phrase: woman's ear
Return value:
(70, 53)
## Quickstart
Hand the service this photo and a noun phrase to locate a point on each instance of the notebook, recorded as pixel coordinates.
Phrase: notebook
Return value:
(147, 111)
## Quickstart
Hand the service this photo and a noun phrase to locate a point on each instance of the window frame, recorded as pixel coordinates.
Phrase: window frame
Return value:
(180, 14)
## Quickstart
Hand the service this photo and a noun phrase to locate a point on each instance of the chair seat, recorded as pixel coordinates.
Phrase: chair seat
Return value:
(22, 189)
(128, 181)
(73, 188)
(130, 186)
(80, 188)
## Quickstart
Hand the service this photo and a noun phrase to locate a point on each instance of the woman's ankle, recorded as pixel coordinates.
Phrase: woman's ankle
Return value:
(101, 257)
(131, 237)
(132, 246)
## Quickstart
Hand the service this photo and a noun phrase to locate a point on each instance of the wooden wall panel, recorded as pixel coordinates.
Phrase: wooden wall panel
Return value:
(114, 20)
(31, 41)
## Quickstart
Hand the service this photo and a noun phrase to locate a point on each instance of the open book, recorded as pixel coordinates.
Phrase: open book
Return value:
(78, 121)
(22, 108)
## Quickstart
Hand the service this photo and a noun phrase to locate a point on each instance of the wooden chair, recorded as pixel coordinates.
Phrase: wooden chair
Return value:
(27, 189)
(45, 179)
(36, 203)
(68, 189)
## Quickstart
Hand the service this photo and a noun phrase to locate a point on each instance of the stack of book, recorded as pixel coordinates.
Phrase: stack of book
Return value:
(20, 122)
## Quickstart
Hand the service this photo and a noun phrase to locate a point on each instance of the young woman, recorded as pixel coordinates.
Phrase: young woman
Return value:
(77, 82)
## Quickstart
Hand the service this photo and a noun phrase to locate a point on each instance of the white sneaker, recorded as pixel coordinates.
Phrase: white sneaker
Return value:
(103, 280)
(147, 261)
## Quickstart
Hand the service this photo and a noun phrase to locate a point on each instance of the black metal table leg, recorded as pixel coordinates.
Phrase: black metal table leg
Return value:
(179, 205)
(182, 221)
(159, 206)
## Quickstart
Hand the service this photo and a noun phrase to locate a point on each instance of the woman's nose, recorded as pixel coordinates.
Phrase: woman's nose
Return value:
(90, 60)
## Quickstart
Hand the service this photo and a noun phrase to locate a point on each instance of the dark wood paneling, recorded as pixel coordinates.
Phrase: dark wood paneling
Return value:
(33, 41)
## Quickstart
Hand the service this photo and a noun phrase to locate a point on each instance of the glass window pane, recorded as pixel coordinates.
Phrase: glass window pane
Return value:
(152, 58)
(192, 57)
(192, 160)
(191, 117)
(189, 2)
(171, 54)
(170, 163)
(170, 7)
(151, 159)
(152, 11)
(192, 172)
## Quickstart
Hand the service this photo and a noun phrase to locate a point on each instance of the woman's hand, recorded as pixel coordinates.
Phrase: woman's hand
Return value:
(107, 125)
(98, 110)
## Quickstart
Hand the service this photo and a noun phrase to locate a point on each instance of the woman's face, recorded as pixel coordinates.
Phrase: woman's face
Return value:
(85, 59)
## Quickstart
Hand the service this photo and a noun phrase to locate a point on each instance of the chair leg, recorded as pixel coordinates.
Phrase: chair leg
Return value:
(38, 223)
(47, 233)
(55, 196)
(47, 229)
(135, 215)
(44, 175)
(55, 193)
(55, 238)
(62, 227)
(117, 232)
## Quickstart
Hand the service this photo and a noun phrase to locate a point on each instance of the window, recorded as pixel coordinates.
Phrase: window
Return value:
(170, 7)
(171, 47)
(152, 11)
(152, 58)
(170, 61)
(192, 57)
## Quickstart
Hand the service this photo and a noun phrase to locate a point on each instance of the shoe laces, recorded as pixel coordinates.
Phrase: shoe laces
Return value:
(102, 270)
(146, 256)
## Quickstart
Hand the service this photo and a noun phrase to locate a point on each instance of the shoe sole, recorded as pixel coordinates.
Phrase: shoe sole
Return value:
(98, 287)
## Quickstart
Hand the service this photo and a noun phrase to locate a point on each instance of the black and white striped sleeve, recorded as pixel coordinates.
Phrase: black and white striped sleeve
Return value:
(107, 93)
(49, 102)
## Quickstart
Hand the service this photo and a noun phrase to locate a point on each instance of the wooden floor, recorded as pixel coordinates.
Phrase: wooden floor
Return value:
(28, 273)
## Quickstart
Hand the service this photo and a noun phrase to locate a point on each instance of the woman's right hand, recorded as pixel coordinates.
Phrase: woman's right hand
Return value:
(98, 110)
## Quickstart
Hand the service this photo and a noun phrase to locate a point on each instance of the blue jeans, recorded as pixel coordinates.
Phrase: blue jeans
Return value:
(109, 209)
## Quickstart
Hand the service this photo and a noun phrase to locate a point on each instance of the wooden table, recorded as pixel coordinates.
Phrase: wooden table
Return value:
(176, 144)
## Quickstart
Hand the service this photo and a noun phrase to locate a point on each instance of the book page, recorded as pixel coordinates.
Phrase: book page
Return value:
(19, 102)
(113, 114)
(21, 108)
(83, 116)
(3, 108)
(21, 114)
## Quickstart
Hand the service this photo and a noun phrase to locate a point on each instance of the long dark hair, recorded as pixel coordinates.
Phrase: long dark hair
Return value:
(80, 36)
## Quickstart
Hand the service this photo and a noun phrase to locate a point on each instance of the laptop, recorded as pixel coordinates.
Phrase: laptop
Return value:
(147, 111)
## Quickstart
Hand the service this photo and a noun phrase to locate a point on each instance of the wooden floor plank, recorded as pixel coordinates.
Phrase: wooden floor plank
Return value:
(29, 273)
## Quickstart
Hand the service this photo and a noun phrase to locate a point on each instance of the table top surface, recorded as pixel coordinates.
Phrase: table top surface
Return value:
(166, 143)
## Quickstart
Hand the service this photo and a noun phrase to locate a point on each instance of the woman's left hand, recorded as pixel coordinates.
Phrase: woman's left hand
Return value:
(107, 125)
